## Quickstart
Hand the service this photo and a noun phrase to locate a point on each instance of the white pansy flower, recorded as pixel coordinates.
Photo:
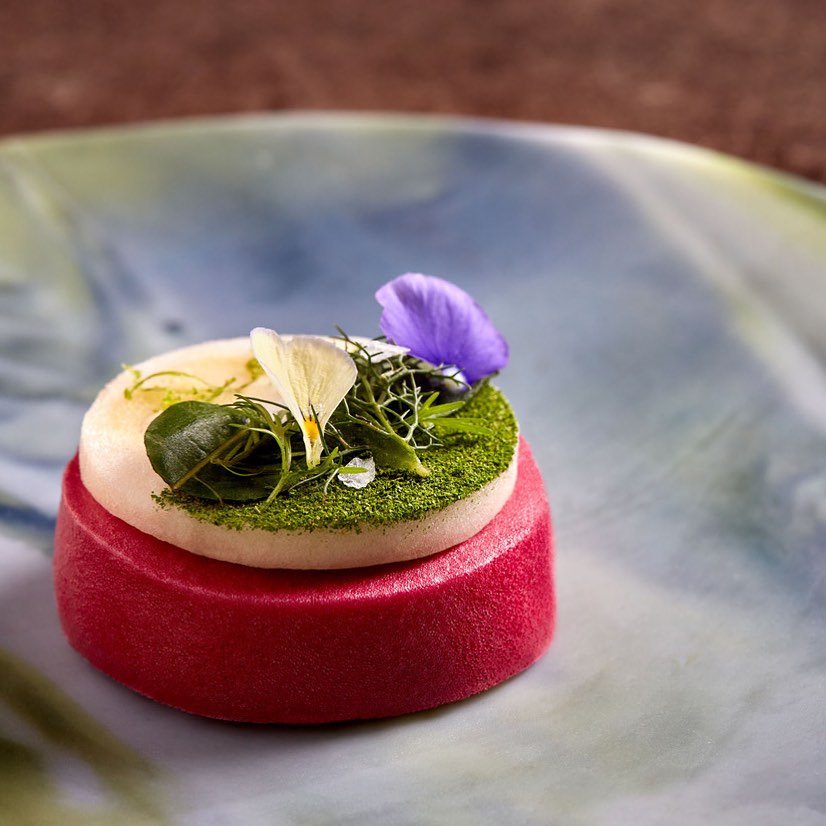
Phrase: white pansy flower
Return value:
(311, 375)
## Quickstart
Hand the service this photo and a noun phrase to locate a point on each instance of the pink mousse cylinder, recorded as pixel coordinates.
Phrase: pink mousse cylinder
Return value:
(281, 646)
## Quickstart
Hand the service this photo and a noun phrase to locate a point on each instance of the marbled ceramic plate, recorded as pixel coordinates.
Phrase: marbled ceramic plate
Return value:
(666, 309)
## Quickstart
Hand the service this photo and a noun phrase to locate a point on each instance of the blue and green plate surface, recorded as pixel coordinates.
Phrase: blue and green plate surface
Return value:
(666, 313)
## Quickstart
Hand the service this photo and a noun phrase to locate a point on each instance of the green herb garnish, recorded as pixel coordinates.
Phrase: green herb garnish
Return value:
(460, 466)
(254, 449)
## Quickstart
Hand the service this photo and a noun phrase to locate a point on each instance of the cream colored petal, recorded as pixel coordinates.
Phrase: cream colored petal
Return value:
(311, 375)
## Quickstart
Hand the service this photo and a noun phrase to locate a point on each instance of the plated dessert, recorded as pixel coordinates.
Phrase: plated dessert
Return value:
(305, 529)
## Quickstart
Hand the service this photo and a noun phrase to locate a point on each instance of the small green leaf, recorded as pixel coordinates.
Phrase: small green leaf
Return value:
(437, 410)
(187, 443)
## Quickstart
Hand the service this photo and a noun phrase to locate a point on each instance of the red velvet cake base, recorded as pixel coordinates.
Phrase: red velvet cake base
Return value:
(247, 644)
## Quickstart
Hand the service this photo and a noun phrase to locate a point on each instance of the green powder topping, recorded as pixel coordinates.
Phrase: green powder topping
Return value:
(463, 466)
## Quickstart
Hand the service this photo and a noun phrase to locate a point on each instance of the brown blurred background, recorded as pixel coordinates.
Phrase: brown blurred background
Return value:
(744, 77)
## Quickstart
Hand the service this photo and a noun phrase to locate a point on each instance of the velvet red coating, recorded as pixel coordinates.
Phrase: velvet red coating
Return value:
(282, 646)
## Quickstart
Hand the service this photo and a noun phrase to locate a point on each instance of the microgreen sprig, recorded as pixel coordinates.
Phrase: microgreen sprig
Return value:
(200, 390)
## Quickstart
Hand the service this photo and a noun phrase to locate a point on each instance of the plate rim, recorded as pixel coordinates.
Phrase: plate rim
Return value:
(561, 134)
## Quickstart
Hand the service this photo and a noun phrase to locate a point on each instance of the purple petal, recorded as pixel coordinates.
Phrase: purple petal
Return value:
(441, 324)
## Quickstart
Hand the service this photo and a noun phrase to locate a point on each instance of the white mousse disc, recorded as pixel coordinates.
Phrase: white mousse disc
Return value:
(116, 470)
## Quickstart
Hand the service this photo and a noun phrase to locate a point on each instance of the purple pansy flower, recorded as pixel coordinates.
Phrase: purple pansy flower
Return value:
(440, 323)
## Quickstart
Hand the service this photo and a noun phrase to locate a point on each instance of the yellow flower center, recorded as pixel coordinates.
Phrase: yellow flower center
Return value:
(311, 428)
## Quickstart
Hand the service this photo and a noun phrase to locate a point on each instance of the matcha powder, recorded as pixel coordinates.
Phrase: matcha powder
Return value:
(463, 466)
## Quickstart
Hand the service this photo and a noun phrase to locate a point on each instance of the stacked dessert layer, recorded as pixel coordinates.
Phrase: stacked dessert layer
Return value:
(240, 643)
(115, 468)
